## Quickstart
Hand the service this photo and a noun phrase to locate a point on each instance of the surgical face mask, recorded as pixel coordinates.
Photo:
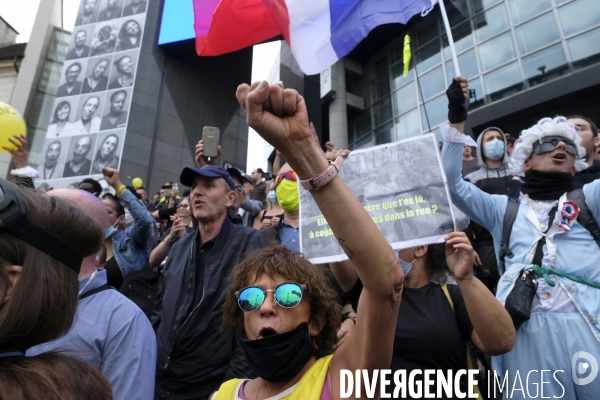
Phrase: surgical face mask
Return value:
(272, 196)
(495, 149)
(406, 267)
(111, 231)
(287, 195)
(128, 218)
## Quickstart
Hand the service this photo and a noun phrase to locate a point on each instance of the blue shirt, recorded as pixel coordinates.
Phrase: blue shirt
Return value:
(111, 333)
(290, 236)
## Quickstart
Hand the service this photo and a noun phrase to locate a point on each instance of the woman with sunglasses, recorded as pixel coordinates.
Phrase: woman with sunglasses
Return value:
(550, 275)
(287, 229)
(280, 304)
(183, 223)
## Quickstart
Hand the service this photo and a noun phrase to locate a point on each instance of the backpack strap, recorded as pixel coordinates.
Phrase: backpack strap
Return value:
(585, 217)
(99, 289)
(447, 293)
(471, 352)
(512, 209)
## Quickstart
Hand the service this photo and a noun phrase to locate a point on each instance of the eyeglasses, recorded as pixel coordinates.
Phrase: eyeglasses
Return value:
(287, 295)
(288, 175)
(239, 188)
(550, 143)
(13, 217)
(184, 206)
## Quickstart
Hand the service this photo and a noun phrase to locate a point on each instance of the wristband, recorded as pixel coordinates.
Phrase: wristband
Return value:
(324, 177)
(169, 244)
(120, 190)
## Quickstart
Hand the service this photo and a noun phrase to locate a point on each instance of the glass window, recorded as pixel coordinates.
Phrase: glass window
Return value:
(497, 51)
(407, 125)
(503, 82)
(41, 111)
(59, 45)
(380, 87)
(579, 15)
(477, 97)
(428, 56)
(367, 141)
(427, 30)
(360, 125)
(385, 134)
(432, 83)
(437, 112)
(50, 77)
(524, 9)
(467, 63)
(536, 33)
(382, 111)
(478, 5)
(457, 12)
(584, 48)
(491, 22)
(405, 98)
(546, 64)
(397, 78)
(463, 39)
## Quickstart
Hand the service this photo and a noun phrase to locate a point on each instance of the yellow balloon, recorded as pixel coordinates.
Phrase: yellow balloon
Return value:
(11, 124)
(137, 183)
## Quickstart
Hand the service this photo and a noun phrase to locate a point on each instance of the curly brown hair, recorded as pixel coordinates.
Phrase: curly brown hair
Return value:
(279, 260)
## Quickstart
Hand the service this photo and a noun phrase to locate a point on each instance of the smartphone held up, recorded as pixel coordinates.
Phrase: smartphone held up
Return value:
(210, 137)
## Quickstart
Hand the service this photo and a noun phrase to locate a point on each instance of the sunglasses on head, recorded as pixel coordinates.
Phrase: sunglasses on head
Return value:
(287, 295)
(288, 175)
(550, 143)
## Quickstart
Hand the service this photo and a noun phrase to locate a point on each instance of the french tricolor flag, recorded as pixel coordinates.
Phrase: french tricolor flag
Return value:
(319, 32)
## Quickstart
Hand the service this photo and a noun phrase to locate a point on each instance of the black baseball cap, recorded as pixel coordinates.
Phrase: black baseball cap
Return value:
(210, 171)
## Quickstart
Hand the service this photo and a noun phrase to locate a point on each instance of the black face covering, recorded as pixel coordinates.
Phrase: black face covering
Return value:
(542, 185)
(281, 357)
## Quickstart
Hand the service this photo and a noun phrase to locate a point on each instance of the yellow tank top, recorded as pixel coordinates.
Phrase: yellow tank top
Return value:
(309, 387)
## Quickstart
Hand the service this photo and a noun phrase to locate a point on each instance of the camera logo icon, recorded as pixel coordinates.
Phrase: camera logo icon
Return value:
(580, 367)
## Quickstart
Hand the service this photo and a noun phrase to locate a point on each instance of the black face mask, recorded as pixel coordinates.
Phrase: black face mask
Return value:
(542, 185)
(281, 357)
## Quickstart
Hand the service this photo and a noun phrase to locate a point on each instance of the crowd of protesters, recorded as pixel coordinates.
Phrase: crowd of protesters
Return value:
(172, 299)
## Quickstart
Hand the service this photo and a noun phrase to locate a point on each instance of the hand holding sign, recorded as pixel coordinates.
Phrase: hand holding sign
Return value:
(459, 256)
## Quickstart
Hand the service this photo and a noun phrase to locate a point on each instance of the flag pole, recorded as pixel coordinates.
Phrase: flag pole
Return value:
(449, 35)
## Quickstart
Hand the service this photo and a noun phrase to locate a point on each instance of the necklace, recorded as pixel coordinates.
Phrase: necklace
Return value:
(258, 390)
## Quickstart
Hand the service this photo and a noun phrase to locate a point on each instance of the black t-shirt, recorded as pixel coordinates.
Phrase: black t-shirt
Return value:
(201, 253)
(429, 335)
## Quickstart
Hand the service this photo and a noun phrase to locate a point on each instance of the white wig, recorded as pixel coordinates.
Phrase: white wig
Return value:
(557, 126)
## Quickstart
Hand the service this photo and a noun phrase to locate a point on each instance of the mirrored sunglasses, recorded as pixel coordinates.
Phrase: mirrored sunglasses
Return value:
(288, 175)
(550, 143)
(287, 295)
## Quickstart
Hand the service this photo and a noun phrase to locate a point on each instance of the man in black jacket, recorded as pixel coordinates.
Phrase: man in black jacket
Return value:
(194, 355)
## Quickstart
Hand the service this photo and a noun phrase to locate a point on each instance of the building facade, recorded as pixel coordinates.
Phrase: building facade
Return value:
(524, 60)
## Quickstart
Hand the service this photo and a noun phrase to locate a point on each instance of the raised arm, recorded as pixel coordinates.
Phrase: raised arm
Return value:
(493, 329)
(481, 207)
(280, 117)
